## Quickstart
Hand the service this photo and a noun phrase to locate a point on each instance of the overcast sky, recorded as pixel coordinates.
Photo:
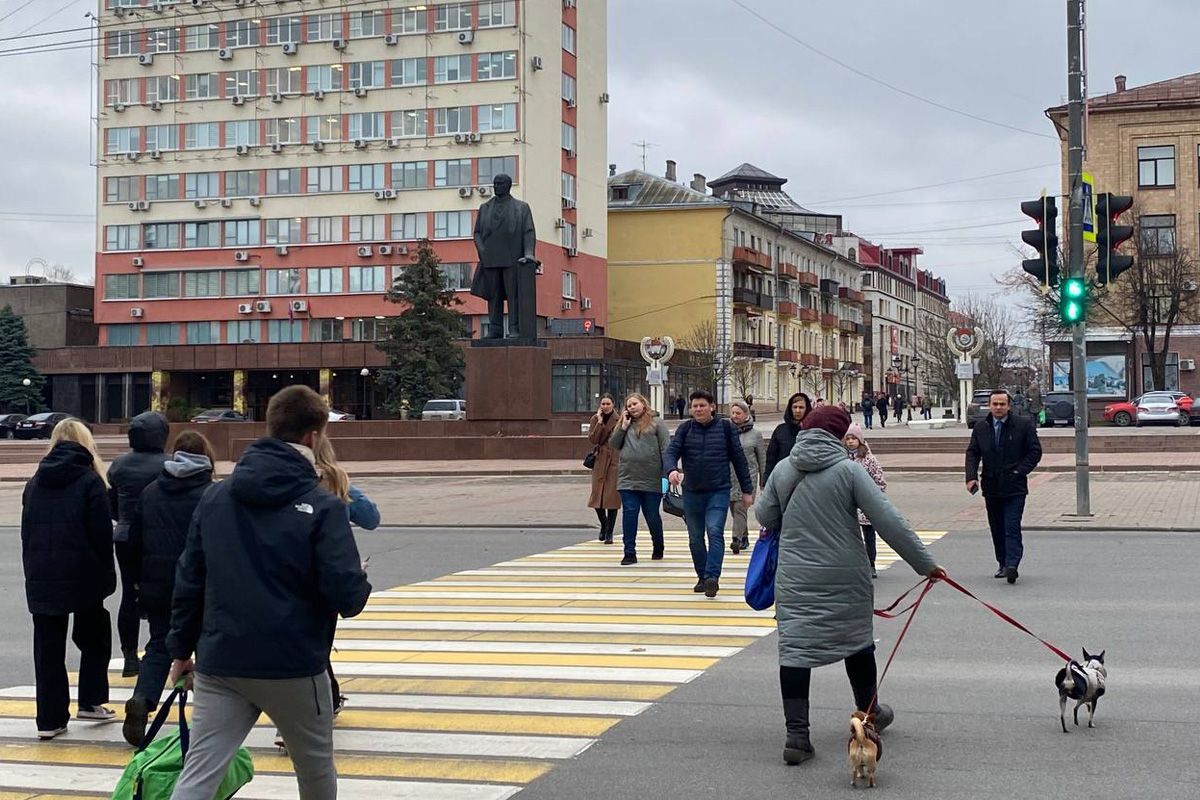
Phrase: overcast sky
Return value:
(712, 86)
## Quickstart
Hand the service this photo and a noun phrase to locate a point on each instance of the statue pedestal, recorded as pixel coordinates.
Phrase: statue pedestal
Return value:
(508, 380)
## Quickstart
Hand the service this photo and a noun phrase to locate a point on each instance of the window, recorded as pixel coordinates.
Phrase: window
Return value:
(162, 40)
(1171, 374)
(568, 88)
(162, 187)
(410, 124)
(452, 173)
(366, 23)
(201, 185)
(502, 117)
(284, 231)
(162, 333)
(242, 233)
(204, 333)
(451, 120)
(202, 135)
(324, 179)
(241, 83)
(121, 237)
(568, 186)
(205, 86)
(1156, 166)
(366, 329)
(201, 284)
(452, 225)
(243, 331)
(324, 230)
(567, 238)
(497, 13)
(326, 78)
(120, 287)
(365, 177)
(325, 280)
(122, 190)
(120, 43)
(160, 236)
(160, 284)
(494, 66)
(162, 89)
(568, 38)
(162, 137)
(568, 137)
(242, 183)
(203, 37)
(410, 227)
(574, 387)
(325, 129)
(409, 72)
(282, 30)
(324, 27)
(283, 331)
(285, 80)
(1158, 234)
(123, 140)
(283, 281)
(367, 126)
(570, 285)
(367, 228)
(456, 277)
(241, 283)
(283, 131)
(202, 234)
(283, 181)
(242, 132)
(410, 20)
(124, 335)
(242, 33)
(451, 69)
(452, 17)
(368, 75)
(367, 279)
(410, 175)
(124, 91)
(324, 330)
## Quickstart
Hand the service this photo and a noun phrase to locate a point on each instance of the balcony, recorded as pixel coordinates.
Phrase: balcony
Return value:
(751, 350)
(829, 364)
(808, 315)
(792, 356)
(860, 329)
(749, 258)
(810, 360)
(829, 321)
(846, 325)
(749, 297)
(829, 287)
(808, 279)
(788, 309)
(851, 295)
(788, 271)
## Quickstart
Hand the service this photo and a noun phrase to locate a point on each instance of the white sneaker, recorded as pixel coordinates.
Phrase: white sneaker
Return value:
(96, 713)
(48, 735)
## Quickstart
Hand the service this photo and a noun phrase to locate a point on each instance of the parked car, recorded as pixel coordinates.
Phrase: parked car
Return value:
(1159, 407)
(339, 416)
(39, 426)
(445, 409)
(1059, 408)
(978, 409)
(8, 425)
(220, 415)
(1124, 413)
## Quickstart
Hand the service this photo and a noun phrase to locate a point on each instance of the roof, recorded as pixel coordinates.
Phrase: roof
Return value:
(657, 191)
(1183, 90)
(749, 172)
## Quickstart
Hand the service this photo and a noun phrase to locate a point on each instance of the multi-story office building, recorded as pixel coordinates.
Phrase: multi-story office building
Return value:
(265, 169)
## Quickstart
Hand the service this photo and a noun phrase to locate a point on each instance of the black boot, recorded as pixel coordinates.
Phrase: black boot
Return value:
(796, 748)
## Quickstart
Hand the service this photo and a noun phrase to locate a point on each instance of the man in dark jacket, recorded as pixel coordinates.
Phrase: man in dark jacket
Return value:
(1009, 448)
(868, 409)
(128, 476)
(707, 446)
(269, 564)
(881, 404)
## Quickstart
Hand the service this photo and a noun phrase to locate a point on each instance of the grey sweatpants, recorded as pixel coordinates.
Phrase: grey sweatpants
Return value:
(224, 712)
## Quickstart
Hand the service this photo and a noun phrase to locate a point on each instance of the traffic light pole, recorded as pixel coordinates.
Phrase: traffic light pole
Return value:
(1075, 83)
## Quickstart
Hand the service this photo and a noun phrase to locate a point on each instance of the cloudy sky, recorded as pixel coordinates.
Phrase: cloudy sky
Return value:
(711, 85)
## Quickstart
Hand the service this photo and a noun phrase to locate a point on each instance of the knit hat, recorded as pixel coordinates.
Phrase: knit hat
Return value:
(827, 418)
(856, 431)
(742, 405)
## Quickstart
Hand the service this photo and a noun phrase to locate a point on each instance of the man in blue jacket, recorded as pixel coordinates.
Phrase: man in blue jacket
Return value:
(269, 564)
(707, 446)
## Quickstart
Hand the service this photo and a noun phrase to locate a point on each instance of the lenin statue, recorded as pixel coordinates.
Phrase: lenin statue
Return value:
(505, 239)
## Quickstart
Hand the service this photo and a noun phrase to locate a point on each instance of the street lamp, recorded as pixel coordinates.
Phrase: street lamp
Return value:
(364, 372)
(26, 383)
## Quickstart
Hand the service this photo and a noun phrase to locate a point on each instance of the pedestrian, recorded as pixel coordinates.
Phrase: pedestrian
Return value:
(269, 563)
(640, 441)
(164, 518)
(128, 476)
(881, 405)
(706, 446)
(927, 407)
(898, 407)
(823, 592)
(360, 510)
(750, 405)
(1009, 448)
(604, 497)
(755, 450)
(820, 402)
(856, 446)
(67, 555)
(784, 435)
(680, 406)
(868, 410)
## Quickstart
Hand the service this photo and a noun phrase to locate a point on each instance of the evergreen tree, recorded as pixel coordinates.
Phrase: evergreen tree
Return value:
(16, 364)
(424, 361)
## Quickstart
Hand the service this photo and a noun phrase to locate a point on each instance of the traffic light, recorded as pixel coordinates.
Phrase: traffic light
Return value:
(1072, 301)
(1110, 263)
(1044, 240)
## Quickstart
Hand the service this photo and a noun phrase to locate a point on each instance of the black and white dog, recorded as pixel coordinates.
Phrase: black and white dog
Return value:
(1083, 683)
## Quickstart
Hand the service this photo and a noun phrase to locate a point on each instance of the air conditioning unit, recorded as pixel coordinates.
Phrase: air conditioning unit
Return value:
(155, 106)
(568, 203)
(318, 145)
(567, 305)
(586, 304)
(568, 3)
(241, 255)
(290, 48)
(139, 262)
(262, 306)
(466, 37)
(400, 249)
(146, 59)
(245, 308)
(385, 249)
(318, 94)
(139, 205)
(474, 137)
(118, 107)
(225, 54)
(200, 204)
(588, 233)
(238, 100)
(281, 249)
(572, 251)
(156, 154)
(465, 191)
(536, 62)
(226, 202)
(277, 148)
(393, 142)
(571, 103)
(560, 223)
(385, 194)
(256, 201)
(136, 312)
(484, 191)
(242, 150)
(276, 97)
(133, 155)
(197, 3)
(1190, 286)
(1187, 364)
(604, 97)
(299, 305)
(364, 251)
(391, 39)
(360, 144)
(339, 44)
(361, 91)
(572, 153)
(119, 12)
(462, 138)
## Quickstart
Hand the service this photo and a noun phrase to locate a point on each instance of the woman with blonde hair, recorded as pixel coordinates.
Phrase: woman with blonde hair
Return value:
(67, 553)
(335, 480)
(640, 439)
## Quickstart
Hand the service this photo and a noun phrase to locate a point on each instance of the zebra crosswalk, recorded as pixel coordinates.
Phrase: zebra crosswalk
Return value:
(465, 687)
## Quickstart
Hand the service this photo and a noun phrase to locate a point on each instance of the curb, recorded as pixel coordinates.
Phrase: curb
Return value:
(1102, 527)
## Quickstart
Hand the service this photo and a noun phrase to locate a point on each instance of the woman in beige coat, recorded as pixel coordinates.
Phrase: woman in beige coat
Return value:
(604, 497)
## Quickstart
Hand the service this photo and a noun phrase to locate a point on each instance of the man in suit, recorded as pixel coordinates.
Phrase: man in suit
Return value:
(1009, 448)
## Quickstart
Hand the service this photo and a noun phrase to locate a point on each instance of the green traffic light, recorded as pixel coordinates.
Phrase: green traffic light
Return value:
(1074, 288)
(1072, 312)
(1074, 293)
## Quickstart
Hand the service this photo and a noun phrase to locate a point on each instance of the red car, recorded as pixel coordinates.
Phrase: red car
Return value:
(1124, 413)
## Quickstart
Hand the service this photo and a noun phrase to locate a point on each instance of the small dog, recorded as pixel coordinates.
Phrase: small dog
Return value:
(865, 748)
(1083, 683)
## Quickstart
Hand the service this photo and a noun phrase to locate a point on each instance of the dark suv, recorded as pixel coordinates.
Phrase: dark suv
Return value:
(1060, 409)
(978, 409)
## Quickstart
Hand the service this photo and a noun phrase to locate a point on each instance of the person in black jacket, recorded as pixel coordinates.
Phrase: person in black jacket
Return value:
(707, 446)
(269, 564)
(67, 553)
(128, 476)
(164, 517)
(1009, 447)
(783, 438)
(881, 405)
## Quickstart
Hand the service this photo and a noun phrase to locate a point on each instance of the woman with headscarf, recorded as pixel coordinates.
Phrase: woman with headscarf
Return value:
(742, 417)
(784, 435)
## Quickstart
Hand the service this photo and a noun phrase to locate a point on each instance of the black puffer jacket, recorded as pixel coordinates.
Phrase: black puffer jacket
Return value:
(66, 534)
(166, 514)
(269, 563)
(134, 471)
(783, 438)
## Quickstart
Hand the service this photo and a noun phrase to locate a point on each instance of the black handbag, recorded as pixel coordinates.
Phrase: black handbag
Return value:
(672, 502)
(589, 461)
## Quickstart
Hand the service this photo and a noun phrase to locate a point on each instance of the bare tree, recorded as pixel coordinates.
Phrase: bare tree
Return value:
(940, 362)
(741, 375)
(709, 352)
(814, 380)
(1000, 328)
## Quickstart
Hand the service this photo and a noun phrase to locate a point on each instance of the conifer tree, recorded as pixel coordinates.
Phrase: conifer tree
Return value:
(16, 364)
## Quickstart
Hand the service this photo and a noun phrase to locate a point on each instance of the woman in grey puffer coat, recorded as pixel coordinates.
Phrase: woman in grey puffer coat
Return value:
(823, 594)
(756, 458)
(641, 439)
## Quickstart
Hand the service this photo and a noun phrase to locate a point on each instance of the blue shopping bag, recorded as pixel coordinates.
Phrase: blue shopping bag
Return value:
(760, 575)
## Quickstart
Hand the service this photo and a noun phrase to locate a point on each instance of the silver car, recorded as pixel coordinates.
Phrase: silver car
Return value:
(1159, 407)
(445, 409)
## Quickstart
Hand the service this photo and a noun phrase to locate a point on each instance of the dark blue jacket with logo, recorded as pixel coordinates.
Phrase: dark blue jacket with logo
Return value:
(706, 452)
(269, 564)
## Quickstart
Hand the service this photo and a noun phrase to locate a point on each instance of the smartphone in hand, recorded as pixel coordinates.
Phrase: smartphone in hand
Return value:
(975, 489)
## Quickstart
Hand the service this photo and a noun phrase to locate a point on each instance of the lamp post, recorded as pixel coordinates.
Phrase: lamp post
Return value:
(364, 372)
(916, 367)
(26, 383)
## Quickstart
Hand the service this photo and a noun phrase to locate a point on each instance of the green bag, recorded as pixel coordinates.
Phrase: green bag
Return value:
(154, 769)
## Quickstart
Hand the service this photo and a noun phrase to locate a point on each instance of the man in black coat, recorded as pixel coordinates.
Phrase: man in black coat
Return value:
(128, 476)
(881, 403)
(1009, 448)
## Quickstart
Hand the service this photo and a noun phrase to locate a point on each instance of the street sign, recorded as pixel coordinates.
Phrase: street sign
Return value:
(965, 372)
(1089, 208)
(656, 376)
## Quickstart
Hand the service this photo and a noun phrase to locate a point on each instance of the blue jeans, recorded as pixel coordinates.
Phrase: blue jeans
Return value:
(867, 419)
(647, 502)
(156, 663)
(704, 513)
(1004, 518)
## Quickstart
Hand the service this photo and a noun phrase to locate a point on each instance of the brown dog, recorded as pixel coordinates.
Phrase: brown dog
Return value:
(865, 748)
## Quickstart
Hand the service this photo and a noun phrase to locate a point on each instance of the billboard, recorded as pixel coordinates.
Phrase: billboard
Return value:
(1106, 376)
